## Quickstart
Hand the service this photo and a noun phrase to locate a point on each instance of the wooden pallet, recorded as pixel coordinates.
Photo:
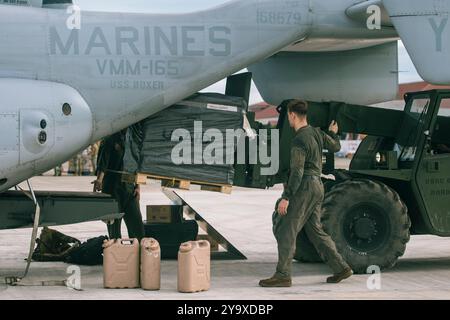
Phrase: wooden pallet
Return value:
(177, 183)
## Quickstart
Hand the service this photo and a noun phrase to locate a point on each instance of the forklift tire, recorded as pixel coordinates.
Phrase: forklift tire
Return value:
(368, 222)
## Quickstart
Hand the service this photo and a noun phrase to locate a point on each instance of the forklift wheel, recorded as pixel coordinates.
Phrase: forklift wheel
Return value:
(368, 222)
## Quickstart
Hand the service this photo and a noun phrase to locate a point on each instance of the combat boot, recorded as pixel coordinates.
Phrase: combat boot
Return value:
(347, 273)
(276, 282)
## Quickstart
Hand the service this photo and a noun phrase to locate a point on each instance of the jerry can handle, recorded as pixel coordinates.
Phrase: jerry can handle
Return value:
(150, 244)
(186, 247)
(127, 242)
(204, 244)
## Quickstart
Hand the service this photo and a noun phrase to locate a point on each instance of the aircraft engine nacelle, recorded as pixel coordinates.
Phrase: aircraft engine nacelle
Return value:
(42, 124)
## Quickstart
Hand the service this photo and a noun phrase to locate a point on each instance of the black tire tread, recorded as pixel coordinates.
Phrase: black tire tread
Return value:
(341, 191)
(339, 194)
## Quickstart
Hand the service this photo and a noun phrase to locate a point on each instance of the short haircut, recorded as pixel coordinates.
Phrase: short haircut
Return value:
(299, 107)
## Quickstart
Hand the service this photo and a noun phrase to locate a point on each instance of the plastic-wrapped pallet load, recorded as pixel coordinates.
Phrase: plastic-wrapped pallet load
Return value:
(150, 145)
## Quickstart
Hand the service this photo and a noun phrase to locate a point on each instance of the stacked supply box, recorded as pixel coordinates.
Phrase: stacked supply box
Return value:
(164, 214)
(183, 140)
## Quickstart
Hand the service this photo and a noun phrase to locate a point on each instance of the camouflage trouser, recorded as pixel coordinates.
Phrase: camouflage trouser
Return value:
(129, 205)
(304, 212)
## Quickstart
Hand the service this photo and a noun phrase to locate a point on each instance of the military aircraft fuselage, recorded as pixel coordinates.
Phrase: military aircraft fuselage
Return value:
(65, 85)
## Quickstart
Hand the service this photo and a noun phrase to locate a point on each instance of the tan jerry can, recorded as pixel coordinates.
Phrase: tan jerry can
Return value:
(194, 266)
(121, 263)
(150, 264)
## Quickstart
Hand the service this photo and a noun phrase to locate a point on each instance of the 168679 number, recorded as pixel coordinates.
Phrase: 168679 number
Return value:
(279, 18)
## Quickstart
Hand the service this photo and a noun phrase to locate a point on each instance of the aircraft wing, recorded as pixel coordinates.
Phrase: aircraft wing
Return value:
(362, 76)
(343, 64)
(423, 26)
(341, 60)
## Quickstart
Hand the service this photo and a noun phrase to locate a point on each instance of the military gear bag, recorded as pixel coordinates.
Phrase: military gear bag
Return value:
(90, 253)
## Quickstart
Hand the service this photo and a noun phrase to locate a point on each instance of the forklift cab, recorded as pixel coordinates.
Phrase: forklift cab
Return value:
(430, 179)
(426, 124)
(415, 161)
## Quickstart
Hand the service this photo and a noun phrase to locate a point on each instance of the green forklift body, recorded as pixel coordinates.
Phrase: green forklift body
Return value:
(431, 181)
(404, 141)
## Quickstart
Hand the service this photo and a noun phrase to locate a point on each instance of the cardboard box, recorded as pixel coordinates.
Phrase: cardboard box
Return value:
(164, 214)
(214, 244)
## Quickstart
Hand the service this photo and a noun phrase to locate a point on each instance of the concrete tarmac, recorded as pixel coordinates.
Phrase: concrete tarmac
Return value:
(244, 218)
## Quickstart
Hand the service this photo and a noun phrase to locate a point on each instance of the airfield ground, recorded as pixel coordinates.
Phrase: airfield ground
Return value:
(244, 218)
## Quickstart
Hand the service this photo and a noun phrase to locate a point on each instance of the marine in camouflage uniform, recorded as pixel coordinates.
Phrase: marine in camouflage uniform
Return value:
(109, 180)
(301, 203)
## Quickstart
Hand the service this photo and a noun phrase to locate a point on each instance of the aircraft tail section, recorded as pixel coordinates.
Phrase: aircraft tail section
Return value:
(424, 27)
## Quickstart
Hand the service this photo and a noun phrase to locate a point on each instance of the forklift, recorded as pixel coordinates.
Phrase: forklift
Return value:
(397, 185)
